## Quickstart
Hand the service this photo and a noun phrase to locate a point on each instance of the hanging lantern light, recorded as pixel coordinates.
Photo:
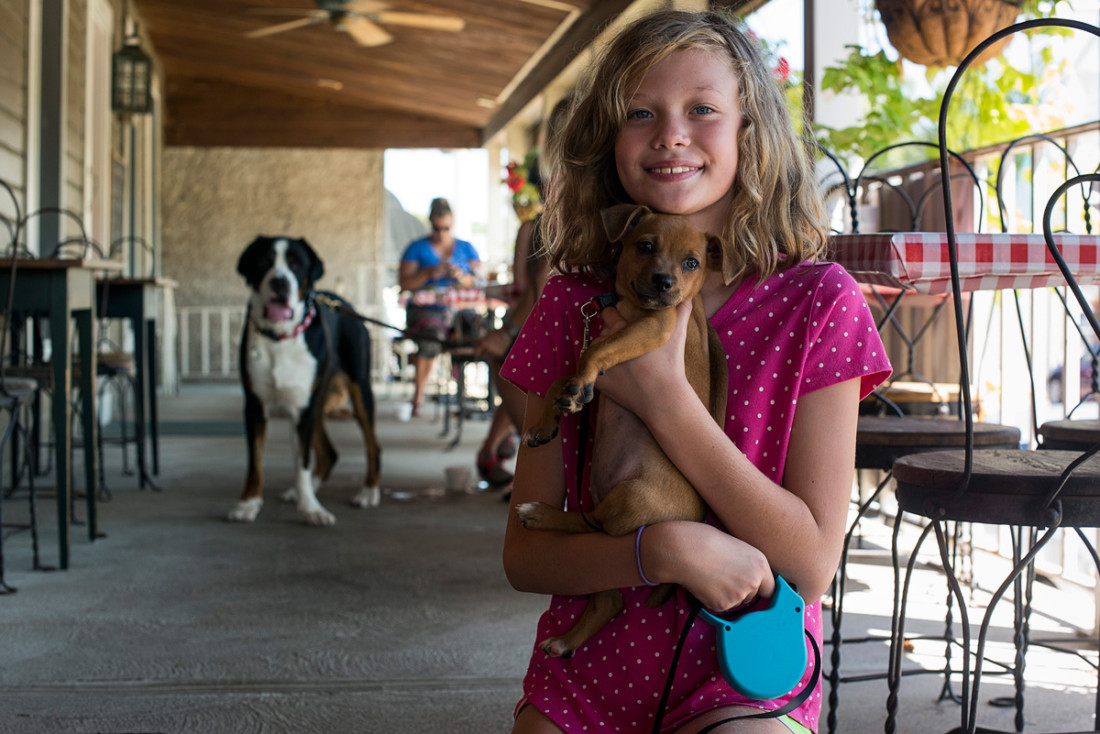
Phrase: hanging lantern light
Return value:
(936, 33)
(132, 79)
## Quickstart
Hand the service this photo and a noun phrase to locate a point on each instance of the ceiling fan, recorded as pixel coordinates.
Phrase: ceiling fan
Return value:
(360, 19)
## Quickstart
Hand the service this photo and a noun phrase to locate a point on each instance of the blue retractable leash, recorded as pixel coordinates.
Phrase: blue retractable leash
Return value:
(762, 654)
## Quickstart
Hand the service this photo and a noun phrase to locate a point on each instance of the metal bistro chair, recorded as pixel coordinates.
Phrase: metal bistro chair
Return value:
(883, 438)
(1016, 488)
(15, 397)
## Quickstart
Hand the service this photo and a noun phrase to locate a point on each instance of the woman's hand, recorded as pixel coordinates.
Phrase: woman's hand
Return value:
(721, 571)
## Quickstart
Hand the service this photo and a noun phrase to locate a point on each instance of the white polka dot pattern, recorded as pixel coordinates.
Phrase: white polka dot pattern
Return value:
(797, 332)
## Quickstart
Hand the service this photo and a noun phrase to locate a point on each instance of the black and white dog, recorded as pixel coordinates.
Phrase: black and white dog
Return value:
(294, 350)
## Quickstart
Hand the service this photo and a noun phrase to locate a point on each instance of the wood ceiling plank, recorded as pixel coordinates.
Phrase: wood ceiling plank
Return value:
(430, 81)
(213, 113)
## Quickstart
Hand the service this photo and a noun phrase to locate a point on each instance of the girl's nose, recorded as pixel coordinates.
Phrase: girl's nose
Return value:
(671, 133)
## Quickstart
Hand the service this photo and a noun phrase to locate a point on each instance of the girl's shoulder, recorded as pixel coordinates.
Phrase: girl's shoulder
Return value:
(574, 287)
(821, 272)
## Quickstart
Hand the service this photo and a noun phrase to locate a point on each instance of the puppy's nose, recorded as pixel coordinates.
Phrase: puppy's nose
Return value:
(662, 282)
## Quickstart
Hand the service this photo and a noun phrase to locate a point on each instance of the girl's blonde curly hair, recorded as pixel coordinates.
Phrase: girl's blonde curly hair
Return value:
(776, 217)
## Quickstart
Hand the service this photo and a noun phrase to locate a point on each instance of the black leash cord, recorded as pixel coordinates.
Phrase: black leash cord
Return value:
(582, 450)
(351, 313)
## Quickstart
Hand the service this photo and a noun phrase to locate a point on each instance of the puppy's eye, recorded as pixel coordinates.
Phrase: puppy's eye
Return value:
(646, 247)
(690, 263)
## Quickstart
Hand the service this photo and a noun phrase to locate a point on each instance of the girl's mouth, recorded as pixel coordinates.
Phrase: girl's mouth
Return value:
(671, 171)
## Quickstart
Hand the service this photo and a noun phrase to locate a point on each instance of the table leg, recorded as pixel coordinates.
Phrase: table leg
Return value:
(85, 326)
(62, 415)
(151, 363)
(142, 368)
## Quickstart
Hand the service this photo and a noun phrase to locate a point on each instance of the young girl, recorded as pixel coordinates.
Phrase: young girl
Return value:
(681, 114)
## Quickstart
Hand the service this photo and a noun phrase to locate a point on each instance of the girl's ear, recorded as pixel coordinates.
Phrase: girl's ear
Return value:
(621, 218)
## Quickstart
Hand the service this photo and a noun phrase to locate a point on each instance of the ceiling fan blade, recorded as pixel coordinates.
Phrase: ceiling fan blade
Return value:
(289, 26)
(419, 20)
(365, 6)
(284, 11)
(363, 31)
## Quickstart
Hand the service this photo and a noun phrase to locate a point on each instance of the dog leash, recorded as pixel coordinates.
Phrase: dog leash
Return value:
(731, 676)
(589, 310)
(343, 310)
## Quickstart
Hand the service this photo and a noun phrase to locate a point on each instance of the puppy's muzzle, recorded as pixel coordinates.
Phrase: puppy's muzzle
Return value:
(660, 291)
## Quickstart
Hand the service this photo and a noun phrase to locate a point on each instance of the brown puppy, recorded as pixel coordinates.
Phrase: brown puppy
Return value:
(662, 263)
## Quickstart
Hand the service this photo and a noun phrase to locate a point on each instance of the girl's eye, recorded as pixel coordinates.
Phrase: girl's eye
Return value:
(645, 247)
(638, 115)
(691, 263)
(703, 109)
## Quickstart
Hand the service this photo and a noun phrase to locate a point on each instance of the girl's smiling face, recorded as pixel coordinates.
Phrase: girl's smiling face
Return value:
(677, 149)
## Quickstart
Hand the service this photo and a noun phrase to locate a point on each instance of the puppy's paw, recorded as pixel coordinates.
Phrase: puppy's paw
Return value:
(367, 497)
(318, 517)
(574, 396)
(557, 647)
(246, 510)
(532, 515)
(540, 434)
(289, 495)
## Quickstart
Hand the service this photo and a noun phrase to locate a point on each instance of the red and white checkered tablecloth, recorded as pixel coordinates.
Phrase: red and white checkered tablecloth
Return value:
(458, 298)
(919, 260)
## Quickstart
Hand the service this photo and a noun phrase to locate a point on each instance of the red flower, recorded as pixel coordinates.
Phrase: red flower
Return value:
(782, 70)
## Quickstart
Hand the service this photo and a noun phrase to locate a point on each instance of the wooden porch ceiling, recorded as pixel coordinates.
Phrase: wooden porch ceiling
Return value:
(314, 86)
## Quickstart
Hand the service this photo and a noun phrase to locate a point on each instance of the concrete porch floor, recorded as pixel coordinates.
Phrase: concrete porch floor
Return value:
(397, 619)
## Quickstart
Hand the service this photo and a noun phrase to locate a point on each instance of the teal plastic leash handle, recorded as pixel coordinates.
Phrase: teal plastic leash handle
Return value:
(763, 653)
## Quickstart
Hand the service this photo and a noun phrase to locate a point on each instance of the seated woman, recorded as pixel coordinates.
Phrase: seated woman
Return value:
(436, 261)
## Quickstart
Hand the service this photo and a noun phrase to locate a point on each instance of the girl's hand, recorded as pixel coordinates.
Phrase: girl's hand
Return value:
(721, 571)
(636, 383)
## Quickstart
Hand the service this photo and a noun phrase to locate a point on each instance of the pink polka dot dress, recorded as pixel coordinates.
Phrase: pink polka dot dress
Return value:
(798, 331)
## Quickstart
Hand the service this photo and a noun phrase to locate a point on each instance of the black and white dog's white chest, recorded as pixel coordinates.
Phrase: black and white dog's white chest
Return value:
(281, 372)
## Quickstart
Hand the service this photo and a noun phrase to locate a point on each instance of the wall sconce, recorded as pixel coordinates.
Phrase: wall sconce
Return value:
(132, 79)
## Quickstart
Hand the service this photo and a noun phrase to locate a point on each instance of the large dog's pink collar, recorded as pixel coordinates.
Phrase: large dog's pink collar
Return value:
(301, 326)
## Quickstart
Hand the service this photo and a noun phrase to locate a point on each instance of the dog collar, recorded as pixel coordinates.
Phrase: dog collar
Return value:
(301, 326)
(599, 303)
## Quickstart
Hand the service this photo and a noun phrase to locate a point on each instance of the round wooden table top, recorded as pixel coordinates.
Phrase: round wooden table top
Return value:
(930, 431)
(1079, 433)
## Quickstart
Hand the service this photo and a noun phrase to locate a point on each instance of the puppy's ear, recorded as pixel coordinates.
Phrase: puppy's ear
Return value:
(316, 267)
(723, 257)
(718, 257)
(246, 263)
(621, 218)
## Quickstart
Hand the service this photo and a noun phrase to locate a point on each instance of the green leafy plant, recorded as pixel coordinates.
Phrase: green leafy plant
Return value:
(992, 103)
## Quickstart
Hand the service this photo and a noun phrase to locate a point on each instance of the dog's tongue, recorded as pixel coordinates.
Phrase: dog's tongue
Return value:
(279, 312)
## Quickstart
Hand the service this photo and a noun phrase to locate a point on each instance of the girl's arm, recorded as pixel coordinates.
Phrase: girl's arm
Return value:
(722, 571)
(799, 526)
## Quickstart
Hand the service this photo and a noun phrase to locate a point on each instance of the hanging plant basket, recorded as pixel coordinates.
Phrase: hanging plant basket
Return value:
(942, 32)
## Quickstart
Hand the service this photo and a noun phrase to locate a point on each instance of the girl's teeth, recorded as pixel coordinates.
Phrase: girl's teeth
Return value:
(675, 169)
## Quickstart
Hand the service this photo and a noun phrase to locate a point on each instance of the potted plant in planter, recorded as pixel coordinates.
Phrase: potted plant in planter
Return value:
(939, 33)
(999, 97)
